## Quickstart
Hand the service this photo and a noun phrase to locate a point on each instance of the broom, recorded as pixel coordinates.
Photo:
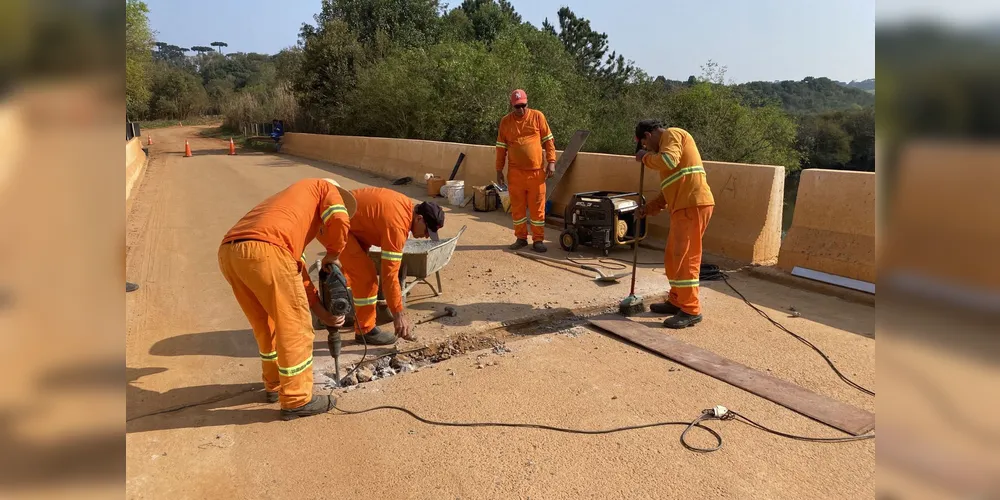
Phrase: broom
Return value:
(632, 305)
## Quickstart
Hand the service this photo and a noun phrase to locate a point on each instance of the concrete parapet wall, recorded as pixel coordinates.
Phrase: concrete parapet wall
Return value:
(135, 163)
(833, 228)
(746, 224)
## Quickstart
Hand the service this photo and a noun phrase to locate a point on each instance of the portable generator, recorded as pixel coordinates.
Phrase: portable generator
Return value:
(602, 220)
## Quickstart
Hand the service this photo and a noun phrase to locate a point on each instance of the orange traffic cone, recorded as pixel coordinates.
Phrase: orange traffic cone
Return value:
(187, 149)
(149, 140)
(232, 147)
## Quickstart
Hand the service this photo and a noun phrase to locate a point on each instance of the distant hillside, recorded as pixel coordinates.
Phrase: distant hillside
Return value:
(811, 95)
(866, 85)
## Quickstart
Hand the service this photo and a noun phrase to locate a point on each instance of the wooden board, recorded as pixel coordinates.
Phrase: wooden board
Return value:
(818, 407)
(565, 160)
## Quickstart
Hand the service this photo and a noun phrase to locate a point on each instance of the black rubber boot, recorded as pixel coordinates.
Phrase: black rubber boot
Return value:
(539, 247)
(376, 337)
(519, 244)
(682, 320)
(664, 308)
(319, 404)
(130, 287)
(271, 397)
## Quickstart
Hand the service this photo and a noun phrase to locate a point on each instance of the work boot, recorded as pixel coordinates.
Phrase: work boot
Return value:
(319, 404)
(130, 287)
(519, 244)
(271, 397)
(539, 247)
(376, 337)
(682, 320)
(664, 308)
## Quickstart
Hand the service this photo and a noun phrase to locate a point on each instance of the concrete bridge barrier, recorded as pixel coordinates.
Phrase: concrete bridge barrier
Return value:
(746, 225)
(833, 228)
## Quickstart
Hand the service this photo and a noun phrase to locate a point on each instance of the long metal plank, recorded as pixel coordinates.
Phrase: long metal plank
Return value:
(829, 411)
(565, 160)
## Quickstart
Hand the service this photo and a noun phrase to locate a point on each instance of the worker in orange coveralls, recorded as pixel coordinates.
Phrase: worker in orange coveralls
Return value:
(523, 133)
(262, 259)
(385, 218)
(684, 189)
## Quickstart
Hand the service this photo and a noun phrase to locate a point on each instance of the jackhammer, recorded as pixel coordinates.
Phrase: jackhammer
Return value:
(336, 298)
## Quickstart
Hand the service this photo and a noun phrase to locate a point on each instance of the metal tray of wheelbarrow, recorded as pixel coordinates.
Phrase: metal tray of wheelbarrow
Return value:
(422, 258)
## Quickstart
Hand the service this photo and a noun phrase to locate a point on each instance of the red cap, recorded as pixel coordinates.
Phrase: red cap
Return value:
(518, 97)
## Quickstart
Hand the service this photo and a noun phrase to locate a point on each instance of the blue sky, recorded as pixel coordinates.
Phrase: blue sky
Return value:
(755, 39)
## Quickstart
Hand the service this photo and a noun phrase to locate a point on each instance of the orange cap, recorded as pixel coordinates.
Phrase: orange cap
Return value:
(518, 97)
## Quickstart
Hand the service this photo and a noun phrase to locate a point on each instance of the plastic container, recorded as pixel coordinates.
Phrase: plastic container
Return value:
(454, 191)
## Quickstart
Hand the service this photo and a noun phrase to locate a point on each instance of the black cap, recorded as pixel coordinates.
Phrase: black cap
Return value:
(433, 217)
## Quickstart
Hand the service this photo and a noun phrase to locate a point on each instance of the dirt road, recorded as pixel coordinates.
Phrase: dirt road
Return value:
(187, 341)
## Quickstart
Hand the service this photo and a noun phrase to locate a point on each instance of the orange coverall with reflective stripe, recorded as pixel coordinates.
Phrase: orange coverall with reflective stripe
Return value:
(383, 219)
(683, 188)
(519, 142)
(262, 259)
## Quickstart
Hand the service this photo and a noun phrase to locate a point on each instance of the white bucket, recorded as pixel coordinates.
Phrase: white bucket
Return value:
(454, 191)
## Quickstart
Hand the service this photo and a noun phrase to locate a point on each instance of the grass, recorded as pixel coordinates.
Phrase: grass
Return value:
(198, 120)
(219, 132)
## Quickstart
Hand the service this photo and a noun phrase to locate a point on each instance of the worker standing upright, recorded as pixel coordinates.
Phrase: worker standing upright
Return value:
(263, 259)
(684, 189)
(523, 133)
(385, 218)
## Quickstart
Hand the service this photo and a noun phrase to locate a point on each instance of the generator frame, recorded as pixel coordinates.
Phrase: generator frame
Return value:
(591, 219)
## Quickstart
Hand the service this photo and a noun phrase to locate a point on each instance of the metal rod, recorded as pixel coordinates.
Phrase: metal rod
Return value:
(635, 246)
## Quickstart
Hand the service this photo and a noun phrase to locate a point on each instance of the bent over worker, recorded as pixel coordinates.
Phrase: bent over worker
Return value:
(384, 218)
(262, 259)
(523, 133)
(684, 189)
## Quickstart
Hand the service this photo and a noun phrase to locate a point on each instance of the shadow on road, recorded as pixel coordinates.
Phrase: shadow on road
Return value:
(142, 405)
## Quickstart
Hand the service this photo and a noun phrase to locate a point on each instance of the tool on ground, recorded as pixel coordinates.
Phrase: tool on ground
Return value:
(232, 147)
(335, 296)
(454, 171)
(448, 311)
(601, 277)
(187, 149)
(632, 305)
(602, 220)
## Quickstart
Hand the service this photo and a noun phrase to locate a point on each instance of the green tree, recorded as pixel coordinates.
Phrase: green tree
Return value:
(177, 93)
(219, 45)
(489, 18)
(331, 59)
(201, 49)
(138, 44)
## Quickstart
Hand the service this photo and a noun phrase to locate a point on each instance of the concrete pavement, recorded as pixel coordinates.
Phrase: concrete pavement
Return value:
(187, 341)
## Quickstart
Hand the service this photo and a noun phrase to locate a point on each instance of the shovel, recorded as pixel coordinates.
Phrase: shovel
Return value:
(601, 277)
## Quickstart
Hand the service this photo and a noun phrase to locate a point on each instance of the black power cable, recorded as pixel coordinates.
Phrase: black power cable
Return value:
(717, 413)
(710, 273)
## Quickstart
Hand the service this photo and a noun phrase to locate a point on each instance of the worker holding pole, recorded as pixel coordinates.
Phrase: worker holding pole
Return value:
(263, 259)
(684, 190)
(385, 218)
(523, 133)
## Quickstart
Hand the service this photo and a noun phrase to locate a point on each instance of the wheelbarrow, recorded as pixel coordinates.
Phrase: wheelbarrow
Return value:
(422, 258)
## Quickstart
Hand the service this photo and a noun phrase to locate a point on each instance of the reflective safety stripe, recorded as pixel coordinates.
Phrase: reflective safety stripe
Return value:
(546, 138)
(297, 369)
(537, 223)
(270, 356)
(681, 173)
(668, 160)
(501, 145)
(520, 221)
(684, 283)
(396, 256)
(365, 301)
(333, 209)
(303, 258)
